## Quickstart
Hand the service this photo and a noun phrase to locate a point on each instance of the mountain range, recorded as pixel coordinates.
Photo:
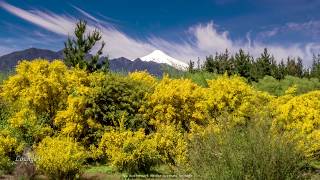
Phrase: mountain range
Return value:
(155, 63)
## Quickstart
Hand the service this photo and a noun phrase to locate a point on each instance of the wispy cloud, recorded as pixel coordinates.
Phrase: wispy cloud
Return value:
(202, 39)
(310, 28)
(269, 33)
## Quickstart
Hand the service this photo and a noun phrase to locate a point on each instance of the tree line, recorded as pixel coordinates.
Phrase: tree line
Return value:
(253, 69)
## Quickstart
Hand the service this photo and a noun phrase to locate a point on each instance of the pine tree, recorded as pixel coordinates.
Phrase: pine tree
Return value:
(243, 65)
(223, 62)
(263, 64)
(210, 65)
(299, 68)
(191, 67)
(77, 50)
(280, 72)
(291, 67)
(315, 68)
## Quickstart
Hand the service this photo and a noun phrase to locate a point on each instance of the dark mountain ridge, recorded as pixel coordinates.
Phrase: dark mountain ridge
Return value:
(122, 64)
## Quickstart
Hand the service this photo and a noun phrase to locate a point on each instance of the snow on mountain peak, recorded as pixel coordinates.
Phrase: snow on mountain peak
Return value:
(160, 57)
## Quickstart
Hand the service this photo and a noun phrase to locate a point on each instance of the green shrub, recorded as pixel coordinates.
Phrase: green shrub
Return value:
(245, 153)
(117, 96)
(200, 78)
(278, 88)
(4, 114)
(4, 76)
(99, 103)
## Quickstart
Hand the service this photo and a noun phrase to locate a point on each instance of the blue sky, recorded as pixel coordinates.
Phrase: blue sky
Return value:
(185, 29)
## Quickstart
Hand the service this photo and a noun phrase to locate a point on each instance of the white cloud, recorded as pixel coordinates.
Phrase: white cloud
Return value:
(203, 39)
(310, 28)
(269, 33)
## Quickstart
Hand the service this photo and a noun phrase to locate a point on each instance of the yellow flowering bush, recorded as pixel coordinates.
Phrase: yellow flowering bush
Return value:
(60, 157)
(39, 84)
(67, 112)
(298, 117)
(171, 145)
(233, 96)
(130, 151)
(143, 76)
(73, 120)
(9, 149)
(99, 101)
(175, 102)
(35, 93)
(50, 98)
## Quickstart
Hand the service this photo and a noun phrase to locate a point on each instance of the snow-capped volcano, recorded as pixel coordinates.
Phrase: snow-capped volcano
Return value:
(160, 57)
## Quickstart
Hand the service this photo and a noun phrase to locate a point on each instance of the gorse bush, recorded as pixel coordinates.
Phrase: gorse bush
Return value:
(36, 92)
(130, 151)
(60, 157)
(144, 77)
(213, 126)
(48, 98)
(100, 101)
(171, 145)
(175, 102)
(135, 152)
(10, 147)
(232, 95)
(298, 118)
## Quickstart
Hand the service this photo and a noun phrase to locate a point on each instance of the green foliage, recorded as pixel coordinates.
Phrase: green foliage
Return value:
(77, 50)
(248, 152)
(265, 65)
(252, 69)
(243, 64)
(315, 68)
(4, 114)
(294, 67)
(278, 87)
(100, 169)
(118, 96)
(220, 64)
(99, 101)
(136, 122)
(198, 77)
(191, 68)
(3, 76)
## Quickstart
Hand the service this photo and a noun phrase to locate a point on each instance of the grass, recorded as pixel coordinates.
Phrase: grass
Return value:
(100, 169)
(248, 152)
(107, 172)
(101, 172)
(198, 77)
